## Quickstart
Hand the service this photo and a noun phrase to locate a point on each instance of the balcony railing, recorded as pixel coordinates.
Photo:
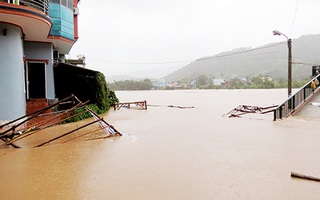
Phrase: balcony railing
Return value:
(41, 5)
(296, 100)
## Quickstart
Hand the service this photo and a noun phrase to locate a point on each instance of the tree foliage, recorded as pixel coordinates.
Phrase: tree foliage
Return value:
(145, 84)
(256, 82)
(104, 96)
(202, 80)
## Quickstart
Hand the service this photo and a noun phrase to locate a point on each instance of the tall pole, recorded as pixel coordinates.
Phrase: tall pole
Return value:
(276, 32)
(289, 68)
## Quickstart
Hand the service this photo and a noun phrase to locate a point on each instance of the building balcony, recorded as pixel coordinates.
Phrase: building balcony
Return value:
(40, 5)
(42, 21)
(35, 25)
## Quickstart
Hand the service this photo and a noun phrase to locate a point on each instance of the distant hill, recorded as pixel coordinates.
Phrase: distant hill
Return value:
(270, 59)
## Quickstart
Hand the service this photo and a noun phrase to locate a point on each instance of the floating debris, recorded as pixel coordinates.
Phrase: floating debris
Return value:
(181, 107)
(302, 176)
(172, 106)
(245, 109)
(141, 104)
(315, 104)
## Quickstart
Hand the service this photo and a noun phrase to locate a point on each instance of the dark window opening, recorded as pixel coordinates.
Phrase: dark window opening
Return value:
(36, 80)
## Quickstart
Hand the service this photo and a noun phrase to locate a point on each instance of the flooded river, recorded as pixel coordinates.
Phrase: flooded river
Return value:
(171, 153)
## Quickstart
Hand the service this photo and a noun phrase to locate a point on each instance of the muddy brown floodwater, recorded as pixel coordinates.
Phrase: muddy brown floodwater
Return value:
(172, 153)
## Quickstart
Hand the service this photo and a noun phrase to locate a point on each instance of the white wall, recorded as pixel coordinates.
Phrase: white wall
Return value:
(12, 82)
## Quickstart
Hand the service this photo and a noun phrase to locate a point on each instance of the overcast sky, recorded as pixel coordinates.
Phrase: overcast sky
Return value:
(151, 38)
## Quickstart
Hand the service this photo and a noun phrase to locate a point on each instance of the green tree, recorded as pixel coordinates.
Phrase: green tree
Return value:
(112, 98)
(102, 92)
(202, 80)
(257, 80)
(145, 84)
(281, 83)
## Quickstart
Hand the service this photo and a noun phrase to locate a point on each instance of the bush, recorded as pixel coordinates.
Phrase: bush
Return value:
(81, 113)
(103, 100)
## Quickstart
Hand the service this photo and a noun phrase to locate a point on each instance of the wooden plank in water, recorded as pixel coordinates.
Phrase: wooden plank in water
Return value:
(141, 104)
(302, 176)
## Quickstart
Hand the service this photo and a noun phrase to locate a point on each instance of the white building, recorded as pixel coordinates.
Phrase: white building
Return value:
(33, 36)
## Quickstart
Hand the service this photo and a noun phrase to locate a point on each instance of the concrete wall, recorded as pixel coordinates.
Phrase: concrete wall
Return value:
(12, 81)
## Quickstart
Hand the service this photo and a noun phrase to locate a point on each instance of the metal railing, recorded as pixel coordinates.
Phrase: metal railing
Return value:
(41, 5)
(293, 102)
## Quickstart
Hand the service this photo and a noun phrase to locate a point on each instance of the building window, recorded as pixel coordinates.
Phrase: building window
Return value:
(64, 3)
(55, 1)
(70, 4)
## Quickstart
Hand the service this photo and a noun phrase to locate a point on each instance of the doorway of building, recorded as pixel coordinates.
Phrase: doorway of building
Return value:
(36, 81)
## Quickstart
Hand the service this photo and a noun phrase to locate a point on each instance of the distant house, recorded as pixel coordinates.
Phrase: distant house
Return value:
(158, 84)
(80, 62)
(174, 85)
(266, 78)
(192, 84)
(243, 79)
(218, 81)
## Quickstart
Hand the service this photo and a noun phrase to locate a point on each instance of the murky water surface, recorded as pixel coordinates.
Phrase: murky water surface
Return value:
(172, 153)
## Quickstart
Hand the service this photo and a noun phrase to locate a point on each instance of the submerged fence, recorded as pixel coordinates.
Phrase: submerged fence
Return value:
(296, 100)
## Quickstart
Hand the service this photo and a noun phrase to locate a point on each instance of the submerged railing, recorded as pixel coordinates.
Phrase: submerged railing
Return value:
(296, 100)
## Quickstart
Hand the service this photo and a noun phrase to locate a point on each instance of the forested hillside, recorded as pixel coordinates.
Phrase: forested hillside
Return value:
(268, 60)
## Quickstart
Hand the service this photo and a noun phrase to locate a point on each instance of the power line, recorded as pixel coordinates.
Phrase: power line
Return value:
(143, 63)
(294, 18)
(302, 63)
(241, 52)
(185, 61)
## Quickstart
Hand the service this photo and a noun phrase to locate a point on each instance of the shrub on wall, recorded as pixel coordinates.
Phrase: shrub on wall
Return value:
(104, 96)
(86, 84)
(104, 99)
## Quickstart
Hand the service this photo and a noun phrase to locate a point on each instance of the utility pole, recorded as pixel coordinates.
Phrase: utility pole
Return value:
(275, 32)
(289, 68)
